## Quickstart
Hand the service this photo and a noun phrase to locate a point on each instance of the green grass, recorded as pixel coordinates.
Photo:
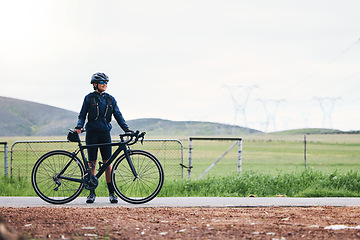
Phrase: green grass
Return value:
(21, 186)
(309, 183)
(16, 187)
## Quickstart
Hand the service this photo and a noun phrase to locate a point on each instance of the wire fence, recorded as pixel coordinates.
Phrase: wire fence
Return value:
(263, 153)
(275, 154)
(24, 154)
(222, 155)
(3, 158)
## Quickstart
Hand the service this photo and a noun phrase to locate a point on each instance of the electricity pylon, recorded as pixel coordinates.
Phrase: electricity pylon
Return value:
(240, 96)
(270, 107)
(327, 105)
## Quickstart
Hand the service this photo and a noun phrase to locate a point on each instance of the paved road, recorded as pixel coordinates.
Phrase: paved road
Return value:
(189, 202)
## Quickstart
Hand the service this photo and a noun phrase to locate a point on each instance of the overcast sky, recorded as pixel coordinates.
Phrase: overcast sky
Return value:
(268, 65)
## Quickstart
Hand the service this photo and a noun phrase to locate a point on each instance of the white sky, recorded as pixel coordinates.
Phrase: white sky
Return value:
(185, 59)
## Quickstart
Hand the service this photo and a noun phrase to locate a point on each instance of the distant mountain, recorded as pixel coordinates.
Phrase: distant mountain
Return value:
(309, 131)
(25, 118)
(161, 127)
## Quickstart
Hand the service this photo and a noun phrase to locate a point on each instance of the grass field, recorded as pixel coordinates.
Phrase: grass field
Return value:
(276, 153)
(264, 158)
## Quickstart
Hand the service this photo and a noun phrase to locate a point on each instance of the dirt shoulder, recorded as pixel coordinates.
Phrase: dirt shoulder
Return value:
(183, 223)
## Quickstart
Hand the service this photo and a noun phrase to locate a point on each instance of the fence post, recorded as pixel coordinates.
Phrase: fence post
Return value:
(6, 161)
(240, 156)
(190, 157)
(305, 151)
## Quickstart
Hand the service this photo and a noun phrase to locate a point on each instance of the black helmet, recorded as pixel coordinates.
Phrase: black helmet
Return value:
(96, 77)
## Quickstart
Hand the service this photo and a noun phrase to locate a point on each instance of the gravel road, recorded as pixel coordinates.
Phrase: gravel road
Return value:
(191, 202)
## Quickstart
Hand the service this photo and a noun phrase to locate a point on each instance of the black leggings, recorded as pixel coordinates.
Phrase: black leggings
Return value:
(97, 138)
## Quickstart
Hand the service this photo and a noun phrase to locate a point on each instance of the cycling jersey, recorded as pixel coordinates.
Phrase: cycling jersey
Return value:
(99, 108)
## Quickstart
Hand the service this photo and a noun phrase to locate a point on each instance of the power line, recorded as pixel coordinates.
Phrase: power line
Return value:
(333, 59)
(311, 75)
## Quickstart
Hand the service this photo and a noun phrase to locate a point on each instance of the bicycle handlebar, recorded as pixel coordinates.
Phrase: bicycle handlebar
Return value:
(137, 135)
(134, 137)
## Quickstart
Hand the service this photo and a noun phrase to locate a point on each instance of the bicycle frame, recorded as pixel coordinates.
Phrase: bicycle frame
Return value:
(121, 147)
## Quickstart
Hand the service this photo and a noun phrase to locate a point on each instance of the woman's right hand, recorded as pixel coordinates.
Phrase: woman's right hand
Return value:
(79, 131)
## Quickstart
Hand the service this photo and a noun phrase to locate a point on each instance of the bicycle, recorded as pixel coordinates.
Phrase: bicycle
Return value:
(59, 176)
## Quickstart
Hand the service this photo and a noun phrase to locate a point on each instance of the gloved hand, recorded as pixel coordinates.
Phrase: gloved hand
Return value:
(79, 129)
(129, 131)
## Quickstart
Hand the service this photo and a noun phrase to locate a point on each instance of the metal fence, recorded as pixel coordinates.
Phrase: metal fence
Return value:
(4, 155)
(24, 154)
(235, 142)
(213, 156)
(266, 153)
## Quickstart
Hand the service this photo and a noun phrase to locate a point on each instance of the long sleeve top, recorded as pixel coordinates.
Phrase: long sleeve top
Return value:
(100, 107)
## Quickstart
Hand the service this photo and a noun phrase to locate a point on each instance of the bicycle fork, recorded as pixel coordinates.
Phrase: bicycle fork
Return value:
(128, 158)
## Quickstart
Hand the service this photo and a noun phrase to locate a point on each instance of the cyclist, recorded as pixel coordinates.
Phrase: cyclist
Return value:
(99, 107)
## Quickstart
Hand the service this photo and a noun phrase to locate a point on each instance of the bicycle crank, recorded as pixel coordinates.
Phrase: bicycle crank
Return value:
(90, 182)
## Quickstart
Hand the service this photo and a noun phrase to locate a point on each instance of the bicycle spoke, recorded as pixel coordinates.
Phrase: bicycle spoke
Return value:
(47, 182)
(142, 188)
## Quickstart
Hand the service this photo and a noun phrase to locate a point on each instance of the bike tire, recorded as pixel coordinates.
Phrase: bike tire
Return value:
(45, 172)
(137, 190)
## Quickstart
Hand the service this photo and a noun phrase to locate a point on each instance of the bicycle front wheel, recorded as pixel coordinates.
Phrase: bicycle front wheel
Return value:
(139, 189)
(47, 177)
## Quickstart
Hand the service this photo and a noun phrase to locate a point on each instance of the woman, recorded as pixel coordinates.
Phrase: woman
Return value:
(99, 107)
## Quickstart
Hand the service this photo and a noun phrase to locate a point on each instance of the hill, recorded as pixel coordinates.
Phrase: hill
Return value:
(25, 118)
(161, 127)
(309, 131)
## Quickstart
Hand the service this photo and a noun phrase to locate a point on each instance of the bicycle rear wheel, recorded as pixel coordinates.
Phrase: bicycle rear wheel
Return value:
(48, 183)
(146, 186)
